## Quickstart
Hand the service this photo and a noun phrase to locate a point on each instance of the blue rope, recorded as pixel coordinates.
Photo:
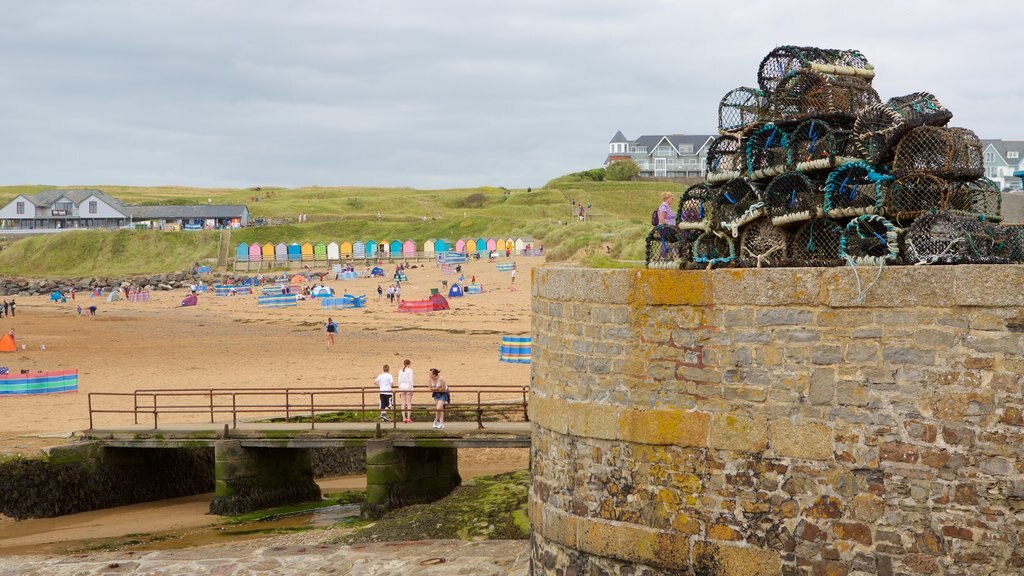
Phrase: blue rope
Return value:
(853, 192)
(814, 140)
(729, 198)
(792, 198)
(771, 138)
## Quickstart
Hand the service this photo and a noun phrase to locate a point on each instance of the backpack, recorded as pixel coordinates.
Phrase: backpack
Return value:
(654, 216)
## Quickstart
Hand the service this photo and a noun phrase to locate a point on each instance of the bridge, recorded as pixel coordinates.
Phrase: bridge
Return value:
(262, 437)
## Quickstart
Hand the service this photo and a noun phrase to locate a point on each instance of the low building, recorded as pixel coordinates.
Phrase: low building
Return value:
(93, 209)
(662, 156)
(1002, 159)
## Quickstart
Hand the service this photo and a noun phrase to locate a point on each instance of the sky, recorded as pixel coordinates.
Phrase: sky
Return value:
(439, 93)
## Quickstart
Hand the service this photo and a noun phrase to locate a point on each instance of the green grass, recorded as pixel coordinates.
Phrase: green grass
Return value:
(621, 213)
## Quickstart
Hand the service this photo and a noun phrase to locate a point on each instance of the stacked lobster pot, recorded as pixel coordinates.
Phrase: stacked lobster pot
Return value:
(813, 169)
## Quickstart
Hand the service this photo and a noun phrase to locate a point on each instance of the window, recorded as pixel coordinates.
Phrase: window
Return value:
(1013, 154)
(20, 208)
(693, 161)
(92, 207)
(640, 149)
(686, 148)
(663, 151)
(989, 157)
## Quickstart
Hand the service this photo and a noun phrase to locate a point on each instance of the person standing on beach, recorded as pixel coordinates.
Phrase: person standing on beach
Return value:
(513, 275)
(380, 291)
(384, 382)
(12, 308)
(439, 391)
(332, 329)
(405, 386)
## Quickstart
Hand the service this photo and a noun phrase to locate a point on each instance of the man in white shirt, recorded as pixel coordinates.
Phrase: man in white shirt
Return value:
(384, 382)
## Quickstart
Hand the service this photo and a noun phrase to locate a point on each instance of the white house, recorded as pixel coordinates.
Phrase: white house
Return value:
(1002, 159)
(662, 156)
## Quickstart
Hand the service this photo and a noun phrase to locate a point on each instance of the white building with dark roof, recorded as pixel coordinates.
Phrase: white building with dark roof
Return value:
(91, 209)
(1002, 159)
(662, 156)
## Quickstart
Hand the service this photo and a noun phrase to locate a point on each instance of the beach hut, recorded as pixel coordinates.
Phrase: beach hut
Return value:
(242, 253)
(268, 252)
(294, 252)
(371, 248)
(332, 251)
(320, 251)
(255, 252)
(409, 249)
(396, 248)
(428, 248)
(441, 245)
(492, 244)
(281, 252)
(307, 251)
(384, 248)
(520, 244)
(460, 245)
(481, 244)
(345, 248)
(510, 244)
(359, 249)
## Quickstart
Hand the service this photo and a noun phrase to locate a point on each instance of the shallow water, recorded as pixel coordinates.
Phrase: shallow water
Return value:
(178, 522)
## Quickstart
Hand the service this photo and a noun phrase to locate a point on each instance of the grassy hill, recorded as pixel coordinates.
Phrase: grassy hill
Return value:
(621, 220)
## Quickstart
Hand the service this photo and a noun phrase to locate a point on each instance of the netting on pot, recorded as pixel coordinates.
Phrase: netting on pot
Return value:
(762, 245)
(816, 243)
(737, 203)
(806, 94)
(766, 152)
(854, 189)
(953, 153)
(869, 239)
(713, 248)
(817, 145)
(741, 109)
(785, 60)
(914, 194)
(668, 248)
(725, 159)
(879, 127)
(792, 197)
(946, 238)
(696, 207)
(1009, 243)
(980, 197)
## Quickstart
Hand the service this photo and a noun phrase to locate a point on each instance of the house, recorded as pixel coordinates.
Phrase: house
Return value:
(662, 156)
(1002, 159)
(91, 209)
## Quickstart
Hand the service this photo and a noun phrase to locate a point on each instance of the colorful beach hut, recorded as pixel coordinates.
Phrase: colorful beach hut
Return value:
(492, 244)
(319, 251)
(294, 252)
(371, 248)
(409, 249)
(359, 249)
(242, 253)
(520, 244)
(396, 248)
(384, 248)
(345, 248)
(332, 251)
(428, 247)
(281, 252)
(441, 245)
(481, 244)
(268, 252)
(307, 251)
(460, 245)
(255, 253)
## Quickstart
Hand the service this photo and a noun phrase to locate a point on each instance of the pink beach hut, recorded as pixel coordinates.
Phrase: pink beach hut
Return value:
(492, 244)
(255, 253)
(460, 245)
(409, 249)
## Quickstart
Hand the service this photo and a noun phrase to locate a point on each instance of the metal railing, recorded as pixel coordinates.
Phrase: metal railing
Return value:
(304, 402)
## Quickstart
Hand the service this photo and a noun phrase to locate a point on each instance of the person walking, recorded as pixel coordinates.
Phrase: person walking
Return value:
(380, 292)
(666, 222)
(513, 275)
(439, 391)
(332, 329)
(405, 387)
(384, 383)
(12, 308)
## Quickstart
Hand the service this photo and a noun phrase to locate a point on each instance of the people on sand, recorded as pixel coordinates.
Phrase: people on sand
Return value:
(405, 387)
(439, 392)
(332, 329)
(380, 291)
(384, 383)
(92, 310)
(666, 222)
(513, 275)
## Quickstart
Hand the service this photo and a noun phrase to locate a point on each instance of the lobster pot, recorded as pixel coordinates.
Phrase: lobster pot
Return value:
(948, 238)
(786, 60)
(741, 109)
(668, 248)
(736, 204)
(762, 245)
(854, 189)
(869, 239)
(766, 152)
(1009, 243)
(816, 243)
(696, 207)
(880, 127)
(805, 94)
(713, 248)
(816, 145)
(792, 197)
(914, 194)
(725, 159)
(979, 197)
(952, 153)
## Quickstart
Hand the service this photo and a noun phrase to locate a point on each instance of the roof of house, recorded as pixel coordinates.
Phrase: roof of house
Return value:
(192, 211)
(651, 141)
(618, 137)
(1004, 146)
(76, 195)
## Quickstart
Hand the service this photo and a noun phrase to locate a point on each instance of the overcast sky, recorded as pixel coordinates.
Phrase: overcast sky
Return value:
(437, 93)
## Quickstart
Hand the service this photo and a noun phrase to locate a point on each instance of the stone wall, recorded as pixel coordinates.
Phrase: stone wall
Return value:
(756, 422)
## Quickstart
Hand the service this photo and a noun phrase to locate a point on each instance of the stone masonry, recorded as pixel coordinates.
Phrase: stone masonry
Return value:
(763, 422)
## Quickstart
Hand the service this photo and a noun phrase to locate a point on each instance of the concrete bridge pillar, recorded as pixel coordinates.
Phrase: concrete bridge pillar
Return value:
(248, 479)
(400, 476)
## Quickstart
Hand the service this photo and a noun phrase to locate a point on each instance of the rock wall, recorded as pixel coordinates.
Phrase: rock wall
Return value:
(11, 286)
(742, 422)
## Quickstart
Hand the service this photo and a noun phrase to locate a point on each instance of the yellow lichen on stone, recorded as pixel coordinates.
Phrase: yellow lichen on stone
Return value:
(664, 427)
(739, 432)
(671, 288)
